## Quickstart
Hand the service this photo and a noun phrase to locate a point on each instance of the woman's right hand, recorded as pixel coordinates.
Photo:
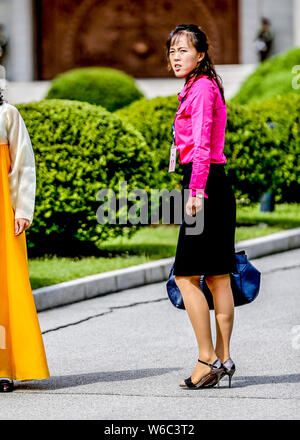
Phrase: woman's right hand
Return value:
(21, 224)
(194, 204)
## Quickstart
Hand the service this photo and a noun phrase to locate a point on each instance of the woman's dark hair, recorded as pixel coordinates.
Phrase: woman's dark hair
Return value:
(1, 97)
(265, 21)
(199, 39)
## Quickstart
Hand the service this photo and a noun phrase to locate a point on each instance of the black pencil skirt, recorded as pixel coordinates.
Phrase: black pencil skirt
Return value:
(212, 251)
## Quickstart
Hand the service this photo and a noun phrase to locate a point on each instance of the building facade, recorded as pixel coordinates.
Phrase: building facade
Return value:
(47, 37)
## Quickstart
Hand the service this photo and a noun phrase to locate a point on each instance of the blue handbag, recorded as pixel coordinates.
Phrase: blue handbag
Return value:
(245, 284)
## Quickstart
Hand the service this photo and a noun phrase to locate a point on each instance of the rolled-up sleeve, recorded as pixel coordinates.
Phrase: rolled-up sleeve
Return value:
(202, 105)
(22, 175)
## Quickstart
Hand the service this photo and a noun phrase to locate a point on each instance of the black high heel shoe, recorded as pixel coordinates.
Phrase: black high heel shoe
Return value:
(216, 369)
(229, 368)
(6, 386)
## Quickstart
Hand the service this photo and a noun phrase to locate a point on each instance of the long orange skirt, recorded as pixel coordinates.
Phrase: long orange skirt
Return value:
(22, 353)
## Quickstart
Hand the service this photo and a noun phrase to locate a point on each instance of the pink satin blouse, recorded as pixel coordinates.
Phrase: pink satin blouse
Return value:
(200, 124)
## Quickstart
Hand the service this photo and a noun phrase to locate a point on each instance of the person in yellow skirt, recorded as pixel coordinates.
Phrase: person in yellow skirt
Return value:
(22, 353)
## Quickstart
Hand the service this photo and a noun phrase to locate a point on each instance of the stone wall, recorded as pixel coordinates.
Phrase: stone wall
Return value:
(128, 35)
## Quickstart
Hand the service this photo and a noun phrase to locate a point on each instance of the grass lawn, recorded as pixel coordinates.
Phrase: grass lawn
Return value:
(286, 215)
(152, 243)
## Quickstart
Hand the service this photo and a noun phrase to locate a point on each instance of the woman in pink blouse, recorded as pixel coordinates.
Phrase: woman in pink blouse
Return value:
(199, 138)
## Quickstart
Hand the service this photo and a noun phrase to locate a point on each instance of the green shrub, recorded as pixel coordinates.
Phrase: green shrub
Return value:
(110, 88)
(246, 139)
(79, 149)
(271, 78)
(260, 158)
(251, 148)
(154, 119)
(284, 113)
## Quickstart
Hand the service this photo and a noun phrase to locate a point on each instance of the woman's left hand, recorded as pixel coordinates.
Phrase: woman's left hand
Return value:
(21, 224)
(194, 204)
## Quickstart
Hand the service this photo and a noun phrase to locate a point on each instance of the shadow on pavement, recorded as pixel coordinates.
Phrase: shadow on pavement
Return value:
(74, 380)
(246, 381)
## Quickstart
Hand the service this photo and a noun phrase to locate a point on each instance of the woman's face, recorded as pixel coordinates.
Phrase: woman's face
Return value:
(183, 56)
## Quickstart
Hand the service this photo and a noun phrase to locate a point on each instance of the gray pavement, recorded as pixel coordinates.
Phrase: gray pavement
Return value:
(122, 356)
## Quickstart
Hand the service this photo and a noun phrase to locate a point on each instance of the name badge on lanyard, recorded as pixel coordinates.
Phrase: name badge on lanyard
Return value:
(173, 151)
(172, 162)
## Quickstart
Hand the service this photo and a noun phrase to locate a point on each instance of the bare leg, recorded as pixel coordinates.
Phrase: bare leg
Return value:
(198, 312)
(220, 287)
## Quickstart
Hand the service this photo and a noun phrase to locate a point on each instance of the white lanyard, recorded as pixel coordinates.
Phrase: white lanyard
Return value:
(172, 161)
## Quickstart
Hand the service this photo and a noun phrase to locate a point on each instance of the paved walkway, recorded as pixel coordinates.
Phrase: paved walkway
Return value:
(122, 356)
(233, 75)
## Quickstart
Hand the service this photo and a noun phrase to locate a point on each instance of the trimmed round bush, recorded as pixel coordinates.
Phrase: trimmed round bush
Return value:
(79, 149)
(154, 119)
(272, 77)
(110, 88)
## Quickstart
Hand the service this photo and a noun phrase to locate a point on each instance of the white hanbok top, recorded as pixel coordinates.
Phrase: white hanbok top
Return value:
(22, 174)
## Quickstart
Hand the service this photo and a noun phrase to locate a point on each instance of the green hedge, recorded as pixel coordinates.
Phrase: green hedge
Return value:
(79, 149)
(154, 119)
(283, 112)
(252, 152)
(271, 78)
(247, 142)
(256, 153)
(110, 88)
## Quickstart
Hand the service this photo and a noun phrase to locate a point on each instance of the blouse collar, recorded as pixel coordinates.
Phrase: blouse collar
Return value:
(183, 91)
